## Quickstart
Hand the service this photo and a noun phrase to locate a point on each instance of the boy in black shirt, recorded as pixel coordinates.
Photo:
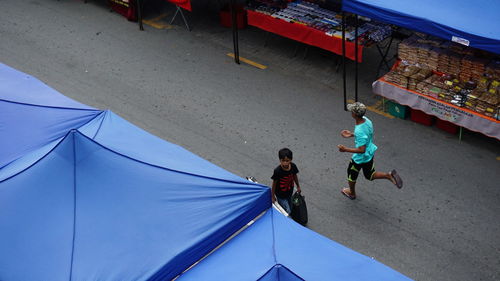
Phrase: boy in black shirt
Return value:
(284, 177)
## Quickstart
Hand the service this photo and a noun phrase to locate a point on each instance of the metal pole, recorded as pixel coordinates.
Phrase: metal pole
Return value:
(235, 32)
(139, 13)
(343, 61)
(356, 59)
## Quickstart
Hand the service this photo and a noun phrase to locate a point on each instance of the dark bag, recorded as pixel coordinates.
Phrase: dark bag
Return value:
(299, 208)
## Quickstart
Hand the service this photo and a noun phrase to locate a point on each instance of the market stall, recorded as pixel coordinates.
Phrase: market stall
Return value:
(460, 85)
(456, 79)
(307, 22)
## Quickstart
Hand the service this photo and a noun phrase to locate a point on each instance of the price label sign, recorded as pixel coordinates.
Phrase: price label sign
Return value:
(459, 40)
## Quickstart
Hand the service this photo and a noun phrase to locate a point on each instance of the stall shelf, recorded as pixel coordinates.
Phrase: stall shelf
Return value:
(303, 34)
(460, 116)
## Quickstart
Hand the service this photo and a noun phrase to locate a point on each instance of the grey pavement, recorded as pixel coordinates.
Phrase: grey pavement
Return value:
(181, 86)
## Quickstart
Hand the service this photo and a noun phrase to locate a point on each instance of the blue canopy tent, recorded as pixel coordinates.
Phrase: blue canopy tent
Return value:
(472, 23)
(83, 211)
(275, 248)
(89, 196)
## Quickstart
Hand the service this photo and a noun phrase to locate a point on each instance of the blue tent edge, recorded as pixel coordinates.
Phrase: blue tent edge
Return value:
(420, 24)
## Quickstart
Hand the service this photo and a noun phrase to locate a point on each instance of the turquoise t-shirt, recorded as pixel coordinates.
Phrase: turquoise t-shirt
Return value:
(363, 135)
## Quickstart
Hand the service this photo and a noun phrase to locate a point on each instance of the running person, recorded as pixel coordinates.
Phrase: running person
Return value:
(362, 158)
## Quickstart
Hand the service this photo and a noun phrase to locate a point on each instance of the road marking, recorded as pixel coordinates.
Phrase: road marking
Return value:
(498, 158)
(375, 108)
(155, 22)
(247, 61)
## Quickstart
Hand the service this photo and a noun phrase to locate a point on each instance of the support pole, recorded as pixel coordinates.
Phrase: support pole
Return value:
(343, 61)
(138, 4)
(235, 32)
(356, 59)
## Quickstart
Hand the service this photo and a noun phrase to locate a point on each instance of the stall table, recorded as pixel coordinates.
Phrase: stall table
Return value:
(460, 116)
(303, 34)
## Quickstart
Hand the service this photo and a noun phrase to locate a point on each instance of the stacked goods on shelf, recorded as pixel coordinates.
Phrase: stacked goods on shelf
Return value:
(450, 72)
(418, 50)
(473, 68)
(485, 98)
(379, 31)
(408, 75)
(311, 14)
(396, 78)
(266, 7)
(454, 64)
(433, 58)
(493, 69)
(443, 59)
(423, 54)
(408, 51)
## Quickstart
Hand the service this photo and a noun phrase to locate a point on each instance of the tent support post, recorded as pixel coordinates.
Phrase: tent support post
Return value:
(235, 32)
(343, 61)
(356, 59)
(138, 4)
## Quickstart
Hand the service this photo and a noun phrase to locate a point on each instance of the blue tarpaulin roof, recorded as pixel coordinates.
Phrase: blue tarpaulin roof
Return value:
(475, 23)
(32, 114)
(86, 195)
(278, 249)
(85, 211)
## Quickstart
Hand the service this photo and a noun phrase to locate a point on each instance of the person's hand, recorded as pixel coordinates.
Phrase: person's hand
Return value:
(273, 199)
(298, 189)
(346, 133)
(341, 148)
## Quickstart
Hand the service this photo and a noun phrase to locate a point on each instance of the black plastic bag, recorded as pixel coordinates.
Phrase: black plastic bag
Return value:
(299, 208)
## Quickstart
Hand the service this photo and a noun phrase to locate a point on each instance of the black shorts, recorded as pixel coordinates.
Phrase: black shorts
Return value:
(354, 168)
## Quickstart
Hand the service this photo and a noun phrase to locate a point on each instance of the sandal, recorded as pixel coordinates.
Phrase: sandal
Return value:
(347, 194)
(396, 179)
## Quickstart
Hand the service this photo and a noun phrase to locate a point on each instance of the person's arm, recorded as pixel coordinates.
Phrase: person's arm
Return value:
(360, 149)
(346, 134)
(273, 196)
(296, 179)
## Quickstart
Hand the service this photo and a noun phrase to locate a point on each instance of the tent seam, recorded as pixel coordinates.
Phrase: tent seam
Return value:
(48, 106)
(100, 125)
(172, 170)
(36, 162)
(274, 238)
(74, 208)
(62, 138)
(283, 266)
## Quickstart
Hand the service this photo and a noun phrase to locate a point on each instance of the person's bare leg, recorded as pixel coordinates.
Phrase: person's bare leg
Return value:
(352, 188)
(382, 175)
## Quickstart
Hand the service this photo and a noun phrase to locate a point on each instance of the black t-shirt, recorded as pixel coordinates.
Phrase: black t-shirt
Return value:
(285, 184)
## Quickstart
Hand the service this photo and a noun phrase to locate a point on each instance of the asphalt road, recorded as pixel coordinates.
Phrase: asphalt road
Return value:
(181, 86)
